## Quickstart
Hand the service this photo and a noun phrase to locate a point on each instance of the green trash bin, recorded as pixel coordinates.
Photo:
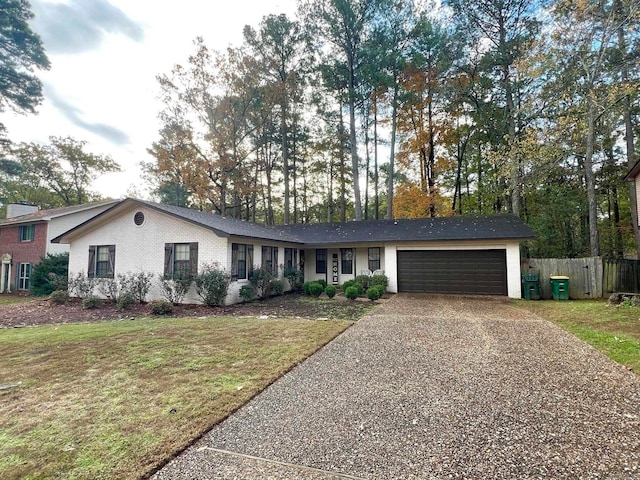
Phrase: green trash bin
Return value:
(531, 286)
(560, 287)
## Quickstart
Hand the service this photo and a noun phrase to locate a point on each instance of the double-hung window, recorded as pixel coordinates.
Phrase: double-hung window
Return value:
(374, 258)
(290, 257)
(102, 260)
(27, 233)
(321, 260)
(241, 261)
(270, 258)
(24, 274)
(180, 260)
(347, 260)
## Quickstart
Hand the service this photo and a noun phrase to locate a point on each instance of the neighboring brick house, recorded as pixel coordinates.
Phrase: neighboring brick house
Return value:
(463, 255)
(25, 238)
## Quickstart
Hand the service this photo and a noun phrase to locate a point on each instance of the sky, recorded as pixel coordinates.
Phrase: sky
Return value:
(105, 56)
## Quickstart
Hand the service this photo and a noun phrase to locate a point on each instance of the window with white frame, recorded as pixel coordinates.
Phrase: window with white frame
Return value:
(321, 260)
(347, 260)
(24, 274)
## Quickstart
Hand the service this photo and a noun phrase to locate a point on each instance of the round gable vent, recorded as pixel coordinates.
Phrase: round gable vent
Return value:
(138, 218)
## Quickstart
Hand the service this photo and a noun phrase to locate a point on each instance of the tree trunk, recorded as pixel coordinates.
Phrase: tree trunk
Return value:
(590, 180)
(376, 190)
(285, 157)
(392, 154)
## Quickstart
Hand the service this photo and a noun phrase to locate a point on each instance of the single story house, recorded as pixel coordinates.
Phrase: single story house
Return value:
(462, 255)
(25, 238)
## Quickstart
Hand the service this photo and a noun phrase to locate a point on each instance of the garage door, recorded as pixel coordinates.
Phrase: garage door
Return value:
(478, 272)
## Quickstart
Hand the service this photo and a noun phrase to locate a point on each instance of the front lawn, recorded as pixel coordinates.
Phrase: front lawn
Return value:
(614, 330)
(116, 399)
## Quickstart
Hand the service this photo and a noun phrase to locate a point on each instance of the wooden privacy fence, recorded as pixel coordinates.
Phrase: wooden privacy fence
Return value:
(591, 277)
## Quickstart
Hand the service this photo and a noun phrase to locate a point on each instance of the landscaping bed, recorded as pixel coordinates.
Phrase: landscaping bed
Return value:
(40, 311)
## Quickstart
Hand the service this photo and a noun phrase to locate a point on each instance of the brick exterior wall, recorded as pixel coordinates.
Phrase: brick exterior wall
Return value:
(23, 252)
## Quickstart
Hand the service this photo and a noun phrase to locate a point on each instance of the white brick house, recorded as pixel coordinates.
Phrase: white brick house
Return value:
(474, 255)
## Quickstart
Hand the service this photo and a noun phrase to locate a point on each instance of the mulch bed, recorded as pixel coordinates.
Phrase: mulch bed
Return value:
(42, 311)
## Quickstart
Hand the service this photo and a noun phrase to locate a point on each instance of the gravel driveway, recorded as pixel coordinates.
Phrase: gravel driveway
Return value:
(435, 387)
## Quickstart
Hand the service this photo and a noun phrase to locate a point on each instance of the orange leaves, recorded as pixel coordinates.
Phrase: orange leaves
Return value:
(410, 201)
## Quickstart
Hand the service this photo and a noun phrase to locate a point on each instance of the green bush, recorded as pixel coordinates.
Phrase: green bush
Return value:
(380, 288)
(374, 293)
(59, 297)
(90, 302)
(382, 280)
(50, 274)
(81, 285)
(108, 288)
(212, 284)
(316, 289)
(295, 277)
(125, 301)
(161, 307)
(305, 288)
(351, 292)
(364, 281)
(247, 292)
(347, 284)
(358, 286)
(322, 282)
(277, 287)
(330, 291)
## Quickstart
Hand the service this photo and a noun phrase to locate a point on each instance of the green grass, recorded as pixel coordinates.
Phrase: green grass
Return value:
(115, 399)
(614, 330)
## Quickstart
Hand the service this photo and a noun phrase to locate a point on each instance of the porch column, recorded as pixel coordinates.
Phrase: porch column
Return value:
(391, 267)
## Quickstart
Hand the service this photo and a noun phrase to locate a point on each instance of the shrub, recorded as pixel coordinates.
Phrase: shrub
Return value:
(261, 279)
(305, 288)
(347, 284)
(351, 292)
(322, 282)
(50, 274)
(382, 280)
(81, 285)
(125, 301)
(174, 290)
(358, 287)
(373, 294)
(295, 277)
(277, 287)
(161, 307)
(90, 302)
(330, 291)
(137, 284)
(108, 288)
(380, 288)
(364, 281)
(247, 292)
(59, 297)
(316, 289)
(212, 284)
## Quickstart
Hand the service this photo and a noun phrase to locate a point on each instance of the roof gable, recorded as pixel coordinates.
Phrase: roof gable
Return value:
(49, 214)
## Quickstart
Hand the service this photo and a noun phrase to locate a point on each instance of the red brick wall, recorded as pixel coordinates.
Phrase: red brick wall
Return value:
(23, 252)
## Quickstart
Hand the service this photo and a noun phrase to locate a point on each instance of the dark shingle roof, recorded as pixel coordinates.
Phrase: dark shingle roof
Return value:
(487, 227)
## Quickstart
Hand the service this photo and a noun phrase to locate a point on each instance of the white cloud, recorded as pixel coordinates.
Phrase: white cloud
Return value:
(101, 87)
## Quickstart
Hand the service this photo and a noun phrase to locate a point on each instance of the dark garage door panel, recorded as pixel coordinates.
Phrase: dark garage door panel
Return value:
(479, 272)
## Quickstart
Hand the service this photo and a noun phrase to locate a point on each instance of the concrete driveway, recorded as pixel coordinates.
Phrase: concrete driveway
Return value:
(435, 387)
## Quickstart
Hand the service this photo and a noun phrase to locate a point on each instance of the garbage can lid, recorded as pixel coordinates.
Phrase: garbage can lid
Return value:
(559, 277)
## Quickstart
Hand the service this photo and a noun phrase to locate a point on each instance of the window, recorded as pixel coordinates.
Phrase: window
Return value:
(374, 259)
(270, 258)
(102, 259)
(241, 261)
(347, 260)
(24, 273)
(290, 257)
(321, 260)
(180, 259)
(27, 233)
